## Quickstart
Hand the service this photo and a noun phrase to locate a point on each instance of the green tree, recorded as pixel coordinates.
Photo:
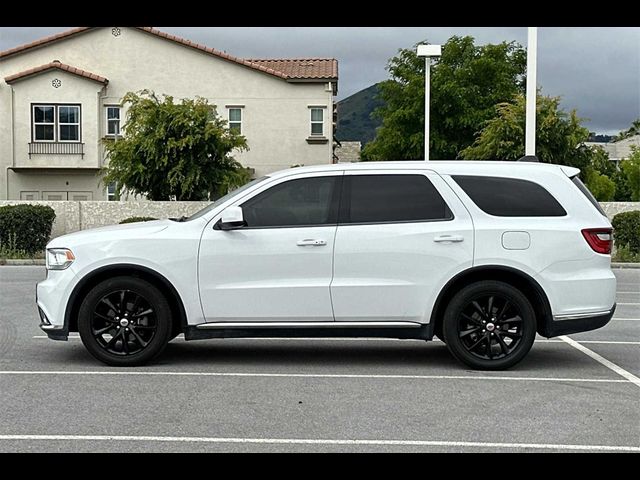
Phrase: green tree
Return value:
(630, 132)
(173, 149)
(467, 81)
(631, 169)
(601, 186)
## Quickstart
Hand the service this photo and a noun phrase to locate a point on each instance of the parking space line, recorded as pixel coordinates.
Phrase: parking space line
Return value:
(318, 441)
(308, 375)
(600, 359)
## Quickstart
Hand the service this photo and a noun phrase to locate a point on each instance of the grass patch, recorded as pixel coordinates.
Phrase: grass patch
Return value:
(624, 255)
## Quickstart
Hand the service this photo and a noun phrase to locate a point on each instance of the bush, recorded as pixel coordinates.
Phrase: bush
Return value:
(137, 219)
(627, 230)
(26, 228)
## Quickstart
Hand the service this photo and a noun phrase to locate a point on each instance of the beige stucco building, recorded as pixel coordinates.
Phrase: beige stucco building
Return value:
(60, 97)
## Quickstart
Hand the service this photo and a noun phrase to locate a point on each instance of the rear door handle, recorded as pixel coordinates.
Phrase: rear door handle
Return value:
(310, 242)
(449, 238)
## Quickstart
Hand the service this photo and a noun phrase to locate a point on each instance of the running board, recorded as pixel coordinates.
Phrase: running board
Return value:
(224, 325)
(408, 330)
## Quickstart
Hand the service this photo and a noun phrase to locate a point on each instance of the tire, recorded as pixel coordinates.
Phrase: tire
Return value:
(125, 333)
(496, 332)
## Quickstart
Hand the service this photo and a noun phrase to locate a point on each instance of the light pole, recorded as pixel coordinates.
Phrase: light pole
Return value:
(427, 51)
(530, 128)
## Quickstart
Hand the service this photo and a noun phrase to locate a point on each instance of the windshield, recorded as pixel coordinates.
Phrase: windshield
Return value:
(228, 196)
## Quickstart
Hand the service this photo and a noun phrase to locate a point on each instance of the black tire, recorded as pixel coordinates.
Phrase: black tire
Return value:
(125, 331)
(495, 332)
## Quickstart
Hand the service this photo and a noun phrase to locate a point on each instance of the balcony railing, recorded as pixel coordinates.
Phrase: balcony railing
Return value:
(56, 148)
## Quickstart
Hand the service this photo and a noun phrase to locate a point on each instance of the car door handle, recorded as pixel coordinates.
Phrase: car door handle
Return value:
(310, 242)
(449, 238)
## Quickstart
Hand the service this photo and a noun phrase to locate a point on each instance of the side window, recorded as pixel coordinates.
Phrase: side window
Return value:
(391, 198)
(509, 197)
(296, 203)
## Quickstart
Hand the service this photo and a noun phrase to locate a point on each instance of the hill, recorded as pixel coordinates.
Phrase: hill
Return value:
(354, 116)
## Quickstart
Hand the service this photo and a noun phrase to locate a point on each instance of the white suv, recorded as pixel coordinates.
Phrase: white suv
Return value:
(481, 254)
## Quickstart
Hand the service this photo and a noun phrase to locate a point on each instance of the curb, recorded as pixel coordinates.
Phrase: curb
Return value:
(25, 261)
(625, 265)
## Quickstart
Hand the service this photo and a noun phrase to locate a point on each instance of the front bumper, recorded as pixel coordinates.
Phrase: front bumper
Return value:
(581, 323)
(52, 295)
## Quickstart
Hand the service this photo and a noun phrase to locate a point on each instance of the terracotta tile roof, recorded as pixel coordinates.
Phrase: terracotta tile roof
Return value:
(301, 68)
(287, 69)
(60, 66)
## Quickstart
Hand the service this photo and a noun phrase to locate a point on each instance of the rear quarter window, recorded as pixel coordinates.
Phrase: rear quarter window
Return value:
(509, 197)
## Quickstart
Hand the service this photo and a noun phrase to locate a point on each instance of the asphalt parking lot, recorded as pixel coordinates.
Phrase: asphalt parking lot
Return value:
(320, 395)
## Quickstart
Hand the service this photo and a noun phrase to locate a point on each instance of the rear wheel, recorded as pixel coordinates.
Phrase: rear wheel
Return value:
(124, 321)
(489, 325)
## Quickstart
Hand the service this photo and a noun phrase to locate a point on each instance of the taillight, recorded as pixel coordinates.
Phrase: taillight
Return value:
(599, 239)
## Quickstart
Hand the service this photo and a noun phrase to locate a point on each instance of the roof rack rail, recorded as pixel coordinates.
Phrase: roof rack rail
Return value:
(528, 158)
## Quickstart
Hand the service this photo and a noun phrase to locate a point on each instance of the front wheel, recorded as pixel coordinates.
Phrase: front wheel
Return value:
(124, 321)
(489, 325)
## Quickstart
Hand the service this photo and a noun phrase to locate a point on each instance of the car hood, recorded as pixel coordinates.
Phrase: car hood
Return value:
(111, 232)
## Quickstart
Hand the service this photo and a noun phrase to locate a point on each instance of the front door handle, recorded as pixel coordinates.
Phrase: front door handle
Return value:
(449, 238)
(310, 242)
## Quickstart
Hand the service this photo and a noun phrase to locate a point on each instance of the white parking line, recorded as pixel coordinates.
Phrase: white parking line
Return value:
(600, 359)
(314, 441)
(307, 375)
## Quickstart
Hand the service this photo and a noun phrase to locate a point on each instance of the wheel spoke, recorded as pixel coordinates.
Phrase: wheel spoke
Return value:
(479, 309)
(108, 303)
(470, 319)
(137, 337)
(489, 352)
(490, 306)
(142, 314)
(473, 347)
(104, 317)
(122, 304)
(515, 319)
(125, 341)
(102, 330)
(512, 335)
(135, 305)
(144, 327)
(503, 345)
(112, 342)
(500, 315)
(469, 332)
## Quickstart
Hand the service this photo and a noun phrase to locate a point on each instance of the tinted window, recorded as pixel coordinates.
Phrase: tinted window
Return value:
(391, 198)
(582, 187)
(509, 197)
(306, 201)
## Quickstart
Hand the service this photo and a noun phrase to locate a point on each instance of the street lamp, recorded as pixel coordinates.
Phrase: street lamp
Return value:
(532, 60)
(427, 51)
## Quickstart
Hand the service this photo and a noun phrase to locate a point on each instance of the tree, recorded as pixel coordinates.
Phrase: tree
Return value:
(467, 81)
(630, 132)
(173, 149)
(631, 169)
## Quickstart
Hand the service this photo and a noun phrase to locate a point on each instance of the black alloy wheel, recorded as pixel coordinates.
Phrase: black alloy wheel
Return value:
(489, 325)
(124, 321)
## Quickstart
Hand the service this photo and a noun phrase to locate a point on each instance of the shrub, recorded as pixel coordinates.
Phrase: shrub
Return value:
(137, 219)
(627, 230)
(26, 228)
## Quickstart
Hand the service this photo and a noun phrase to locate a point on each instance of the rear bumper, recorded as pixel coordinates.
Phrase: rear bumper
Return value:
(565, 325)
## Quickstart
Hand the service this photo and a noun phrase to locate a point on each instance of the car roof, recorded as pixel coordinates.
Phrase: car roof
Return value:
(445, 167)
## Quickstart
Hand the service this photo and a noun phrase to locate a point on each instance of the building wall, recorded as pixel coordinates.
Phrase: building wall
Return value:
(276, 116)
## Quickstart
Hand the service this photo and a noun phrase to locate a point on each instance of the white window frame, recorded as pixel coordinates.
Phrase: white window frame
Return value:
(316, 122)
(60, 124)
(235, 122)
(107, 120)
(34, 123)
(111, 196)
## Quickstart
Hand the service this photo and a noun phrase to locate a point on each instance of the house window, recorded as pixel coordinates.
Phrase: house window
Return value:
(68, 123)
(111, 192)
(113, 120)
(235, 120)
(317, 121)
(44, 123)
(56, 123)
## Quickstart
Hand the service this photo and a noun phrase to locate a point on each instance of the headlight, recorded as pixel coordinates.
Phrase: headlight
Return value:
(59, 258)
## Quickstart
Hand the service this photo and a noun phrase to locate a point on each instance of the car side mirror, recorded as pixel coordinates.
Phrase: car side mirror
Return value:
(232, 219)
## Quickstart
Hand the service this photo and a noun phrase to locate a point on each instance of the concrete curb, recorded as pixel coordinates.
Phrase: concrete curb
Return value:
(625, 265)
(24, 261)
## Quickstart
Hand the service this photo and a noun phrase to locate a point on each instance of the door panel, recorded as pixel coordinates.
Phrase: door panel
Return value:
(394, 271)
(279, 267)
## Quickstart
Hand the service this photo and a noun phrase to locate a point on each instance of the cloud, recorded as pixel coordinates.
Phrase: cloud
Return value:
(595, 70)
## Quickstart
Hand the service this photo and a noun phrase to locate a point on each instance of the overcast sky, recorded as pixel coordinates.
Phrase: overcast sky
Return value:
(595, 69)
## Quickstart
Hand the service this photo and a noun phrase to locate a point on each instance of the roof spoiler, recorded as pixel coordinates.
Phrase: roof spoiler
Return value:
(528, 158)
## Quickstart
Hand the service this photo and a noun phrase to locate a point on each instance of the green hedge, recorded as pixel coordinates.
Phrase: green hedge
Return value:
(26, 227)
(137, 219)
(626, 230)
